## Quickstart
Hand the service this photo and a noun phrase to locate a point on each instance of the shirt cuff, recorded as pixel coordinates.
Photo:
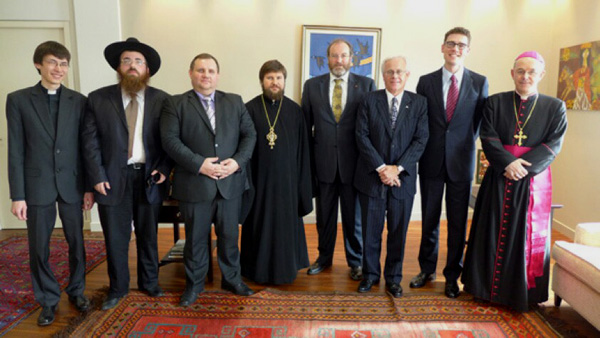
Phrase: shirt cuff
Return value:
(380, 168)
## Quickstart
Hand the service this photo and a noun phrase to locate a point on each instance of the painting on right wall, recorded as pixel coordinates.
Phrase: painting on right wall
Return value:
(579, 76)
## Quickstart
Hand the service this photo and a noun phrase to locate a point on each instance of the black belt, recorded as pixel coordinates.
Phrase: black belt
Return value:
(136, 166)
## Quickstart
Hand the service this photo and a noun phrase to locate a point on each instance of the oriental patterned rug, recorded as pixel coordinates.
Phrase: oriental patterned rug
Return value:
(275, 314)
(16, 293)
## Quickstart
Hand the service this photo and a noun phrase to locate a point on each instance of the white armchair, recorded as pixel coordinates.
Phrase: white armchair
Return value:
(576, 273)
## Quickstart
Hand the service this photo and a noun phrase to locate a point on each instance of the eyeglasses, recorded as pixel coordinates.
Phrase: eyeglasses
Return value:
(343, 56)
(391, 72)
(128, 62)
(452, 44)
(55, 63)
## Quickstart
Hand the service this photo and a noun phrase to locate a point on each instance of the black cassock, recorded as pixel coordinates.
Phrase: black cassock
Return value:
(507, 259)
(273, 245)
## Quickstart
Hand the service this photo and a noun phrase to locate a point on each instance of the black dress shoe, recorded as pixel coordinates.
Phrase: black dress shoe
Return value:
(155, 292)
(451, 290)
(420, 279)
(110, 302)
(188, 298)
(46, 316)
(317, 268)
(81, 302)
(366, 284)
(394, 289)
(240, 289)
(356, 273)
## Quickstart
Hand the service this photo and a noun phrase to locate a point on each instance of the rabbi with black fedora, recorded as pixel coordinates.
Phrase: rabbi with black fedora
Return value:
(127, 165)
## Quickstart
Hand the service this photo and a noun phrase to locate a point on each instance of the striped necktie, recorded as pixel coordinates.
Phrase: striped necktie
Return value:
(452, 98)
(210, 111)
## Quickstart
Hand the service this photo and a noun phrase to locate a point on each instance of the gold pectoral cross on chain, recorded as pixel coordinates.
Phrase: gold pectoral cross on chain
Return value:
(520, 137)
(271, 137)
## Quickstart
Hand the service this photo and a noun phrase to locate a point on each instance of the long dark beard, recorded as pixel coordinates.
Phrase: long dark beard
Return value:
(133, 84)
(273, 96)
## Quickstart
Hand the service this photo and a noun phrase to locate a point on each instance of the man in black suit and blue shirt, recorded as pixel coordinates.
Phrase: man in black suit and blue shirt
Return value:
(329, 103)
(391, 133)
(455, 100)
(127, 165)
(45, 169)
(210, 136)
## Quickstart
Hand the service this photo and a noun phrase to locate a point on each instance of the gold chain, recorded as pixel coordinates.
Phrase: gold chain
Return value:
(271, 136)
(520, 136)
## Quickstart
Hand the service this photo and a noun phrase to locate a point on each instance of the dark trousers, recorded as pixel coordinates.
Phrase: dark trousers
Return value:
(116, 224)
(457, 207)
(327, 212)
(198, 217)
(375, 210)
(40, 223)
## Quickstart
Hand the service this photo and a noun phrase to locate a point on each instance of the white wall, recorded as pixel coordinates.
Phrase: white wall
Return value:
(576, 170)
(243, 34)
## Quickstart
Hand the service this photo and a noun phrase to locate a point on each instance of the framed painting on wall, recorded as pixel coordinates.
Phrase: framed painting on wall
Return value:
(366, 43)
(579, 76)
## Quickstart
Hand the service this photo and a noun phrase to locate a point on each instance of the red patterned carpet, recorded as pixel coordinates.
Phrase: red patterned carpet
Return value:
(271, 313)
(16, 294)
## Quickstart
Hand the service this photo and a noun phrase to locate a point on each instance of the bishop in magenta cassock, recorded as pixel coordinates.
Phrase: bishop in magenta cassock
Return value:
(522, 131)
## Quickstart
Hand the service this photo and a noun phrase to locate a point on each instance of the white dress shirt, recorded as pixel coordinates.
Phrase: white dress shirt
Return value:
(138, 153)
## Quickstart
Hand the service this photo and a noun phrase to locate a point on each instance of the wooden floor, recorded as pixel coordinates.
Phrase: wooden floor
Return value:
(336, 278)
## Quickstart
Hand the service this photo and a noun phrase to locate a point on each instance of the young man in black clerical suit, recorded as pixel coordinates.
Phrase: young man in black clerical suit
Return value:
(45, 170)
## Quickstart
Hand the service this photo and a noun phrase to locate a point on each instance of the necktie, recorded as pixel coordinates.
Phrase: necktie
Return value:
(394, 112)
(131, 112)
(336, 100)
(210, 111)
(452, 98)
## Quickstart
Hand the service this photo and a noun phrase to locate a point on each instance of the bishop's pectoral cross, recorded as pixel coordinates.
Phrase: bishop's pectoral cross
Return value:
(520, 137)
(271, 137)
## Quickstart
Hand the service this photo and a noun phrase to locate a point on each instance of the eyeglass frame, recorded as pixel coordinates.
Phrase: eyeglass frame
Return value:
(54, 63)
(452, 44)
(129, 62)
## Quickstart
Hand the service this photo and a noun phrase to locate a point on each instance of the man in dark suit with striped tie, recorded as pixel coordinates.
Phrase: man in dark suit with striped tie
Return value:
(455, 99)
(391, 133)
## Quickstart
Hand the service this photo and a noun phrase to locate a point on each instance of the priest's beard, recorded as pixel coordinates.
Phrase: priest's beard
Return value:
(133, 84)
(271, 95)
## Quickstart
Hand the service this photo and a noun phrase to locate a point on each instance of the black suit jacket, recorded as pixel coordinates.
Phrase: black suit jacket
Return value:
(105, 141)
(378, 144)
(44, 163)
(333, 145)
(452, 144)
(189, 139)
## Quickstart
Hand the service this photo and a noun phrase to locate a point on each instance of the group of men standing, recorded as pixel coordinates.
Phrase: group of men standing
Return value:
(259, 164)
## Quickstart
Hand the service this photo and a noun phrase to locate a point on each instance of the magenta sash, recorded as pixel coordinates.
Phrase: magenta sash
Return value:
(538, 218)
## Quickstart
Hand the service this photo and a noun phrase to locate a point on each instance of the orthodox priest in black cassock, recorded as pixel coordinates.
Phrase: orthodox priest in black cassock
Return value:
(507, 259)
(273, 246)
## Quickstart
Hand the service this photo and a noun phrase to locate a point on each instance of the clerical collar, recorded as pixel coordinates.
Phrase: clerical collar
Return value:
(525, 97)
(270, 100)
(50, 91)
(343, 77)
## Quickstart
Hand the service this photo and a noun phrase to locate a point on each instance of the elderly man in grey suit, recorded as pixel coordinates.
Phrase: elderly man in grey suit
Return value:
(210, 136)
(45, 170)
(455, 98)
(329, 103)
(391, 132)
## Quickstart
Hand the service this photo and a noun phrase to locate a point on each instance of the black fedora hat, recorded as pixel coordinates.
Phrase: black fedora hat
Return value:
(112, 53)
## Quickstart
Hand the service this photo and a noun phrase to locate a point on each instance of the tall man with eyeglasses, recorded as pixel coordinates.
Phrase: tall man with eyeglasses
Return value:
(127, 165)
(330, 102)
(45, 170)
(508, 254)
(455, 99)
(391, 133)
